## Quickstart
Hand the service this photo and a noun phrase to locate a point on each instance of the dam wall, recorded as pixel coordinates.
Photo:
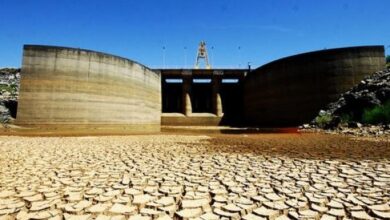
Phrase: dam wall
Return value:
(290, 91)
(76, 88)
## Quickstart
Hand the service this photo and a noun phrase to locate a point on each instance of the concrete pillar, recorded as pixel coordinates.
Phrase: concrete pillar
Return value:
(216, 96)
(187, 106)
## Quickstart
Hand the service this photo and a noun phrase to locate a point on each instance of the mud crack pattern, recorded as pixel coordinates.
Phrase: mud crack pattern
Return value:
(191, 177)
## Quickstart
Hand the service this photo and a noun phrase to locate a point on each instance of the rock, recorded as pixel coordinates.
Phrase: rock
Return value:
(322, 113)
(354, 124)
(9, 78)
(373, 91)
(383, 94)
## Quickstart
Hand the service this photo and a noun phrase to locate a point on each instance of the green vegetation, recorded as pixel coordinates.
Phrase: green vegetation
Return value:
(346, 118)
(4, 87)
(12, 88)
(323, 120)
(377, 115)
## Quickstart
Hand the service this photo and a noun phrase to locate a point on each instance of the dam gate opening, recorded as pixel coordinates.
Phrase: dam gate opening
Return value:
(201, 96)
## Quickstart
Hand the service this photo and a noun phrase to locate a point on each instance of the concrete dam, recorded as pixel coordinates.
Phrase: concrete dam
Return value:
(77, 88)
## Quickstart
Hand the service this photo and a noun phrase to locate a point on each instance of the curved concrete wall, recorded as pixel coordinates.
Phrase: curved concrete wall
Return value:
(291, 91)
(81, 88)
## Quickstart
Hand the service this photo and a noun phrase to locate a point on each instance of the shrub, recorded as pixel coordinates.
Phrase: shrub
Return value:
(13, 88)
(323, 120)
(377, 115)
(346, 118)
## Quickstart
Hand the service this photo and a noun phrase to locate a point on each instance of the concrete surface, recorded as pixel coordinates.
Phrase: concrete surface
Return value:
(80, 89)
(291, 91)
(224, 100)
(87, 90)
(193, 119)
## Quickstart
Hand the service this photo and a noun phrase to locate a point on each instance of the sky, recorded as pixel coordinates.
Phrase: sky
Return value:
(235, 31)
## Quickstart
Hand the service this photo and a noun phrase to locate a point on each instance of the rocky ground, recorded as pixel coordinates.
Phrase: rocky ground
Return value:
(345, 116)
(360, 130)
(9, 92)
(268, 176)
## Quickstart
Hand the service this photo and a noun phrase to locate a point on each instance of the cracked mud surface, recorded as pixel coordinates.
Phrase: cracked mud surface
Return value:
(267, 176)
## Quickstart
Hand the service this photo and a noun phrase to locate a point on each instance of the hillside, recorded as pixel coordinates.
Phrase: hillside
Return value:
(9, 91)
(363, 110)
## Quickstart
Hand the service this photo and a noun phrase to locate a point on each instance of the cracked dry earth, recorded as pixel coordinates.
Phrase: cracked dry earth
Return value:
(267, 176)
